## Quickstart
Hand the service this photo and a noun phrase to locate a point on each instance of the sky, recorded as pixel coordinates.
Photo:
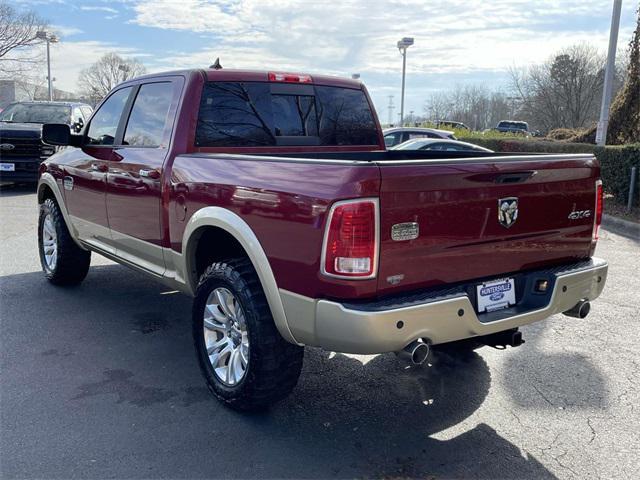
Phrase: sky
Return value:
(456, 42)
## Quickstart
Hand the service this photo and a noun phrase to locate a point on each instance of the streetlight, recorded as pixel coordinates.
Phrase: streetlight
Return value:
(355, 76)
(125, 69)
(49, 38)
(403, 44)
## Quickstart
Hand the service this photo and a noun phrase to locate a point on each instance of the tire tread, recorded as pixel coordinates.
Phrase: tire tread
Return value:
(276, 373)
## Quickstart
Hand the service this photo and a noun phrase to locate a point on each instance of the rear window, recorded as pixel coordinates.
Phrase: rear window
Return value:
(255, 114)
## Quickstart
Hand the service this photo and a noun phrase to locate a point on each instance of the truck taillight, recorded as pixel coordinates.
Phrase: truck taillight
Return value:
(350, 248)
(599, 207)
(289, 77)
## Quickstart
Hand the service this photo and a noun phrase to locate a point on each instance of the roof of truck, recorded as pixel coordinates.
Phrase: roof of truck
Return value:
(233, 75)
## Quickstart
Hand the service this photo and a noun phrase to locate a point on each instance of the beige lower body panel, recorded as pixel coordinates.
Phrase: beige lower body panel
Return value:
(330, 325)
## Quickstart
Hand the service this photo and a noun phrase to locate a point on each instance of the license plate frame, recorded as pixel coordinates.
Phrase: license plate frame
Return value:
(495, 295)
(7, 167)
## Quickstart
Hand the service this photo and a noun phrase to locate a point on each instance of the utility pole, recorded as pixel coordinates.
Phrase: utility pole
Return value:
(49, 72)
(403, 44)
(391, 109)
(603, 124)
(49, 38)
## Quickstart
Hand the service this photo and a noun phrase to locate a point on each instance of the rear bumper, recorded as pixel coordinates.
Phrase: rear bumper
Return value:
(439, 317)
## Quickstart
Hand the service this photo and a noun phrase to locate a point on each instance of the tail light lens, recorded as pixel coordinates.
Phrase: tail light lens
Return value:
(289, 77)
(350, 247)
(599, 207)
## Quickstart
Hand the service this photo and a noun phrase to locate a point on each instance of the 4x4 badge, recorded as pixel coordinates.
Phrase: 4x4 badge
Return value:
(507, 211)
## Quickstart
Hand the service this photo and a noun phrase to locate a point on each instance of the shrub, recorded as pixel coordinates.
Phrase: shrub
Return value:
(615, 161)
(563, 133)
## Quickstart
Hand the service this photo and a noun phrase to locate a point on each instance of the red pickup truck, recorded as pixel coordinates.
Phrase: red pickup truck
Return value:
(269, 197)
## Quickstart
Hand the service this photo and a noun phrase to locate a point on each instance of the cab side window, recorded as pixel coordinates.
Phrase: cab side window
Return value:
(148, 118)
(104, 125)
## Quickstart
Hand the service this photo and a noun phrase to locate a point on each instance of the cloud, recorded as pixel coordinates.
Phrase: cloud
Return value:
(456, 41)
(68, 59)
(478, 39)
(66, 31)
(98, 9)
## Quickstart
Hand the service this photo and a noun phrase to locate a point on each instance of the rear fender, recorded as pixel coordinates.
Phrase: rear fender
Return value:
(240, 230)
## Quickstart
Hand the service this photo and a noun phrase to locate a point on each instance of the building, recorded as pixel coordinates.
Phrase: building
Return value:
(17, 91)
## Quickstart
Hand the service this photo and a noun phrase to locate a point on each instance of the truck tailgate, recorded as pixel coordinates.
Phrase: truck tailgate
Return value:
(456, 206)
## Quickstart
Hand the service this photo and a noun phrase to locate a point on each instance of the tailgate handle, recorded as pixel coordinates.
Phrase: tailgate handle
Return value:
(515, 177)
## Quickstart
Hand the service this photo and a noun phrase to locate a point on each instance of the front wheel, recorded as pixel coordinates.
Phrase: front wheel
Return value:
(62, 260)
(243, 357)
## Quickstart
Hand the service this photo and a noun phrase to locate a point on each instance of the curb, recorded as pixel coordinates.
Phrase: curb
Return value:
(621, 227)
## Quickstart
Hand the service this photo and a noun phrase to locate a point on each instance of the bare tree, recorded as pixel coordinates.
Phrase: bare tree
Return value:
(17, 39)
(564, 91)
(33, 87)
(18, 30)
(474, 105)
(100, 78)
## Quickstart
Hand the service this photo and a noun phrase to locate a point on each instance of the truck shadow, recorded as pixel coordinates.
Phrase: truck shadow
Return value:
(538, 379)
(119, 347)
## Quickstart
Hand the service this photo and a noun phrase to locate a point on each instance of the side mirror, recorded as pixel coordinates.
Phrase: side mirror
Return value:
(60, 135)
(56, 134)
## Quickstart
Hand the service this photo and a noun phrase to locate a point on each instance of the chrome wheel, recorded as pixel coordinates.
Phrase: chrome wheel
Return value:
(49, 243)
(225, 336)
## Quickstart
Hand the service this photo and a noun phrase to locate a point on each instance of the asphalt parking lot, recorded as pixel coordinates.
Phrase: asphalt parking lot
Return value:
(100, 381)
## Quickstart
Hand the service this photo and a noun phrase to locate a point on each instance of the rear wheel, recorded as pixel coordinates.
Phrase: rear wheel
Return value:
(243, 357)
(62, 260)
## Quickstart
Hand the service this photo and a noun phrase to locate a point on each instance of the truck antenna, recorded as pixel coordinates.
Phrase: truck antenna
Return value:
(216, 65)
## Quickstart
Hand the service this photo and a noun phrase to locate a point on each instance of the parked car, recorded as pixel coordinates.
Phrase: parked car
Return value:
(21, 146)
(270, 199)
(513, 126)
(452, 124)
(397, 135)
(440, 145)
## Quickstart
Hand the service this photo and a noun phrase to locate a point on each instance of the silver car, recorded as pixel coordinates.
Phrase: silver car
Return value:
(398, 135)
(440, 145)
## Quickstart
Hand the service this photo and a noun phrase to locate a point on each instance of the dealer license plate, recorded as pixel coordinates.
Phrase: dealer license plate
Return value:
(7, 167)
(496, 295)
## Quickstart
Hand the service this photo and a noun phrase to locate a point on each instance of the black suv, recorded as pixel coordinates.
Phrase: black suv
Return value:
(21, 147)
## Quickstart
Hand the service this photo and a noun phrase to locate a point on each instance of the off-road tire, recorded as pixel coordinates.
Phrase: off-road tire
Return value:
(274, 364)
(72, 262)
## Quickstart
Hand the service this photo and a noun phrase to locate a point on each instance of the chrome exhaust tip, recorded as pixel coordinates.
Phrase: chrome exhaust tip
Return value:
(580, 310)
(416, 352)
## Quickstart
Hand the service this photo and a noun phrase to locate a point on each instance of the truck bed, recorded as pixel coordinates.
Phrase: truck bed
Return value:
(452, 196)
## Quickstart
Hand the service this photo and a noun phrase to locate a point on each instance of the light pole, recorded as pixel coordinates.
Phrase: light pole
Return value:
(403, 44)
(49, 38)
(603, 124)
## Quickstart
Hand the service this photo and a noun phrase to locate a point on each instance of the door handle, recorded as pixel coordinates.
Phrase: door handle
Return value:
(149, 173)
(98, 167)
